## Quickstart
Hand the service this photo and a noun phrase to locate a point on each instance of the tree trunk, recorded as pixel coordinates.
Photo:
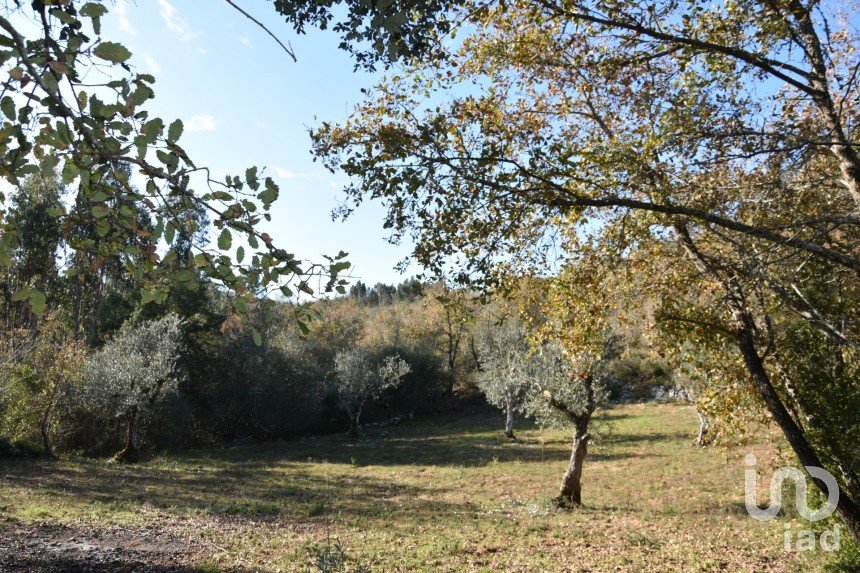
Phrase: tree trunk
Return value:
(704, 437)
(354, 417)
(46, 443)
(45, 423)
(841, 146)
(76, 328)
(452, 350)
(847, 507)
(509, 424)
(452, 365)
(571, 483)
(130, 454)
(452, 374)
(745, 336)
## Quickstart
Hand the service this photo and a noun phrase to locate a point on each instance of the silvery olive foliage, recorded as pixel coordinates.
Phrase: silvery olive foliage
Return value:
(506, 370)
(567, 388)
(547, 382)
(360, 377)
(135, 369)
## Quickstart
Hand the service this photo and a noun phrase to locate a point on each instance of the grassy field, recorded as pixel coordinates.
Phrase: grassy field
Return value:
(435, 494)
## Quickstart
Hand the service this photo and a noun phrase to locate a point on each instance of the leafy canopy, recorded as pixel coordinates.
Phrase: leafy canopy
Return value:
(59, 117)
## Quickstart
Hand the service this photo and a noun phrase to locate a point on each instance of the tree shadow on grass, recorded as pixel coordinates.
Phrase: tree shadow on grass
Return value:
(291, 479)
(621, 439)
(252, 490)
(443, 441)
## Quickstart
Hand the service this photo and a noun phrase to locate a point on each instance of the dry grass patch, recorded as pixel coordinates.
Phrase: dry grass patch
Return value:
(438, 494)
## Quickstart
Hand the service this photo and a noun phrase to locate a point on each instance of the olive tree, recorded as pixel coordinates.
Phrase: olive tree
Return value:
(132, 372)
(505, 375)
(360, 377)
(567, 390)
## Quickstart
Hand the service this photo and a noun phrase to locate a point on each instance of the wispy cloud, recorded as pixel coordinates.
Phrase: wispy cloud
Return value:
(122, 15)
(151, 64)
(245, 41)
(175, 22)
(313, 177)
(200, 122)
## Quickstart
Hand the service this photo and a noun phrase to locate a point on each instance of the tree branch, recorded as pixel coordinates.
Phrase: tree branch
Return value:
(289, 50)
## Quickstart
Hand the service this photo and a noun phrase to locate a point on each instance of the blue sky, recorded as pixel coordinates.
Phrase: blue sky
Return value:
(245, 102)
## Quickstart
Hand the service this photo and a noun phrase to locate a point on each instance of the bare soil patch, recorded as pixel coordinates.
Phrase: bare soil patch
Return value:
(37, 548)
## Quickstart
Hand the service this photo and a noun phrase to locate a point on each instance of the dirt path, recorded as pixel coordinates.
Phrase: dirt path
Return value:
(56, 548)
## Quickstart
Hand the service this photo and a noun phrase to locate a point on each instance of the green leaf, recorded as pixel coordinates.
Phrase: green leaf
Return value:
(142, 93)
(269, 194)
(7, 104)
(22, 294)
(152, 129)
(158, 230)
(64, 133)
(48, 165)
(221, 196)
(112, 52)
(102, 227)
(146, 295)
(63, 17)
(174, 132)
(38, 302)
(28, 169)
(141, 143)
(95, 12)
(55, 212)
(184, 276)
(49, 80)
(240, 254)
(258, 340)
(225, 240)
(169, 233)
(70, 171)
(171, 160)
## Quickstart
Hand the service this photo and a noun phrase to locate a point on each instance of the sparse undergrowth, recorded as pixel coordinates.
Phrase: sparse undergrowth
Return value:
(437, 494)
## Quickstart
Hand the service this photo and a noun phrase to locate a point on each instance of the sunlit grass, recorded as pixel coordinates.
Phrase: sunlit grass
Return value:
(441, 493)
